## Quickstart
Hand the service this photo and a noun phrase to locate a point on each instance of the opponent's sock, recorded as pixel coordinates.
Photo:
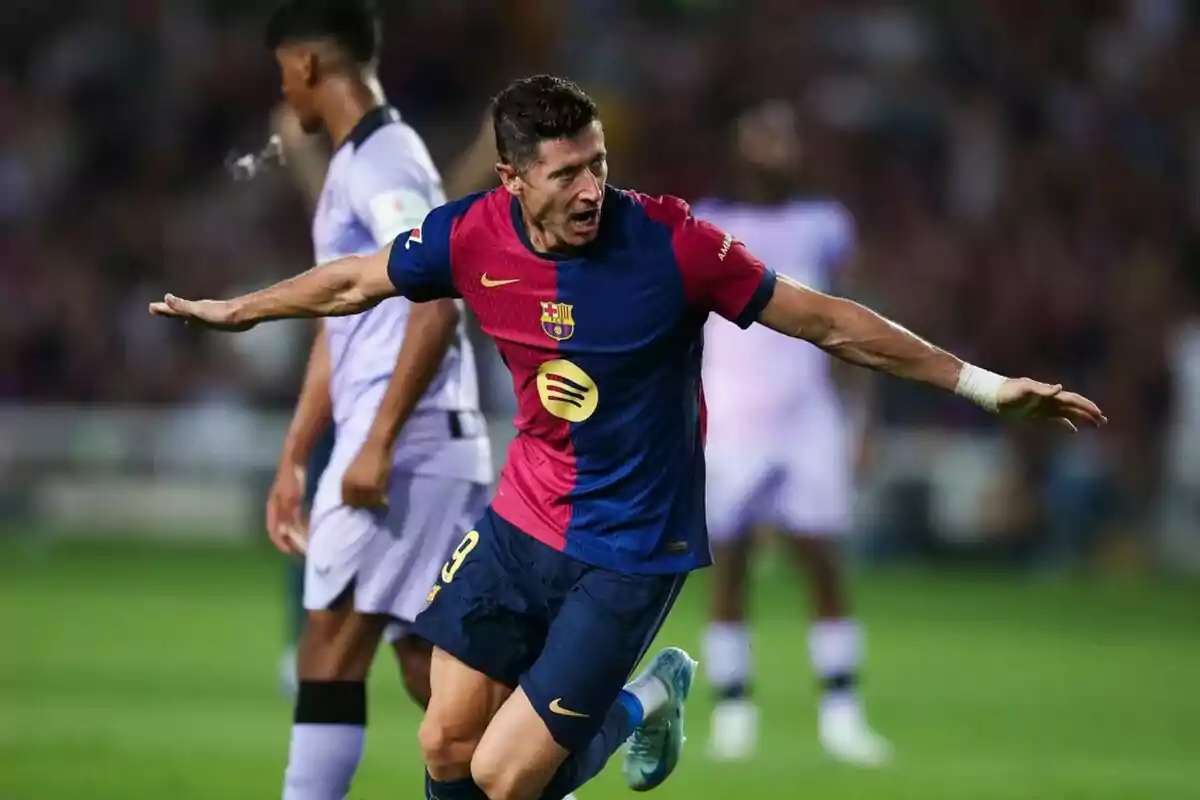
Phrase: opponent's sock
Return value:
(727, 659)
(625, 715)
(328, 733)
(461, 789)
(835, 647)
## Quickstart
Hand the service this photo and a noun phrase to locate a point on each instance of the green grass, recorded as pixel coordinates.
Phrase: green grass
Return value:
(130, 671)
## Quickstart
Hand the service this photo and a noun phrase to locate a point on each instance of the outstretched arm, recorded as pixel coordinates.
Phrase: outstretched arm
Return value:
(858, 335)
(346, 286)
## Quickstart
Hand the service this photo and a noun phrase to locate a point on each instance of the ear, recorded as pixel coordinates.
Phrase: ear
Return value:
(510, 179)
(310, 67)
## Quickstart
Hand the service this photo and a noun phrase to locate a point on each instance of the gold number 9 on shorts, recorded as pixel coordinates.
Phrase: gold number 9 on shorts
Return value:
(459, 555)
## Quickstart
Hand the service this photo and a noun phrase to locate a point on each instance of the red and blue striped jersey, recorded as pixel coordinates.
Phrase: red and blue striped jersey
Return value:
(605, 348)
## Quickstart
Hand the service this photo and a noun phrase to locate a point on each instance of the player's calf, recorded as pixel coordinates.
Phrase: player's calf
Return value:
(329, 725)
(413, 656)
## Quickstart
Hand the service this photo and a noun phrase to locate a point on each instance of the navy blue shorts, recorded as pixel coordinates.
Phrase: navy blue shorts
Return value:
(524, 614)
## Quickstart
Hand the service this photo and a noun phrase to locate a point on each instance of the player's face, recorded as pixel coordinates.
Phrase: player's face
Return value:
(768, 140)
(563, 191)
(296, 72)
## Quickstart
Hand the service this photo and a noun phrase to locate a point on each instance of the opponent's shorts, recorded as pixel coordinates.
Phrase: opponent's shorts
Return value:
(803, 485)
(385, 560)
(524, 614)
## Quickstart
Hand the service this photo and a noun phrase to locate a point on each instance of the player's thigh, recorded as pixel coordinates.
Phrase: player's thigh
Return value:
(427, 517)
(462, 703)
(479, 610)
(340, 543)
(816, 497)
(738, 481)
(604, 627)
(517, 756)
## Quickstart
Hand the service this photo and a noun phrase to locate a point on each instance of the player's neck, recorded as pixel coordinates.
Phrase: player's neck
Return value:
(346, 100)
(765, 189)
(542, 240)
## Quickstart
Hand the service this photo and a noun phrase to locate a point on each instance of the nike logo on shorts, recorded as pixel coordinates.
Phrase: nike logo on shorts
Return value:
(557, 707)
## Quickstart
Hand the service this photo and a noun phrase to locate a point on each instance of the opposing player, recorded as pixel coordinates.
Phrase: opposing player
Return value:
(596, 298)
(307, 160)
(781, 448)
(410, 466)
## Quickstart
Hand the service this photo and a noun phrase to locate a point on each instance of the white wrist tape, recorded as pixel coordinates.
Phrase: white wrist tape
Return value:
(980, 386)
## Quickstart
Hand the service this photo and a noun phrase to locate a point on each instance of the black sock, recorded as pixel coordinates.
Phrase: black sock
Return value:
(461, 789)
(839, 683)
(328, 732)
(733, 691)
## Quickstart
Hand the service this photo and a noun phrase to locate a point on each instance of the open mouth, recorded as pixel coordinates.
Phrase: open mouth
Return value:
(586, 219)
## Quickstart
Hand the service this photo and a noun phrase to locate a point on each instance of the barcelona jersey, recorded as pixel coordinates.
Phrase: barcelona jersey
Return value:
(604, 346)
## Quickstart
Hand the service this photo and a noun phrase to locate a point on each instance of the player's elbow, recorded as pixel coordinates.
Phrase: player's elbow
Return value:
(352, 286)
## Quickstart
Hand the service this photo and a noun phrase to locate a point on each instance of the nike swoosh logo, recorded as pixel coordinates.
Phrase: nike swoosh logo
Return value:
(556, 707)
(488, 283)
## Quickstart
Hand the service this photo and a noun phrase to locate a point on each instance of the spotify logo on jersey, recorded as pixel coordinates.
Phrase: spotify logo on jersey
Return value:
(567, 392)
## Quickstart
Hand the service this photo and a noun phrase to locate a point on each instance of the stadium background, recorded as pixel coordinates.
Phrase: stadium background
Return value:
(1026, 180)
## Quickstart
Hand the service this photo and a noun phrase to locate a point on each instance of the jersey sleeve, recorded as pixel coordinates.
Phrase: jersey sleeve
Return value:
(393, 184)
(419, 264)
(720, 274)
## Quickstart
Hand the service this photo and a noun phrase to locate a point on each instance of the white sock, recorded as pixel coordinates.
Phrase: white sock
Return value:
(650, 692)
(322, 761)
(727, 657)
(328, 734)
(836, 649)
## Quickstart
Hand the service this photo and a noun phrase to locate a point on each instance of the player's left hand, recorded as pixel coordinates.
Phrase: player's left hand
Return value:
(365, 482)
(219, 314)
(1022, 398)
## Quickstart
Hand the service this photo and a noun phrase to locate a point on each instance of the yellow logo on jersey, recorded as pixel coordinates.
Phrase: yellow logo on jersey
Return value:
(557, 320)
(566, 391)
(432, 594)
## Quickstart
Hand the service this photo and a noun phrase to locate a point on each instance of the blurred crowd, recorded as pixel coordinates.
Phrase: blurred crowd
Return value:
(1025, 175)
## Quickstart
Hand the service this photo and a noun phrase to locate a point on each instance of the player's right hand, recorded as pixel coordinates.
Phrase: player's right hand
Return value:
(285, 511)
(219, 314)
(365, 482)
(1023, 398)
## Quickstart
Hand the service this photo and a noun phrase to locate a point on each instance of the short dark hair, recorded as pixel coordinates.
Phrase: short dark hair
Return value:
(537, 109)
(352, 24)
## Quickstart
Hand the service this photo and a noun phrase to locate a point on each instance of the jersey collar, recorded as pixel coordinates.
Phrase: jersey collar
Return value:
(373, 120)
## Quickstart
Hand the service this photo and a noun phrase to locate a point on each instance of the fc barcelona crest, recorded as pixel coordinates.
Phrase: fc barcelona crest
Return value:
(557, 321)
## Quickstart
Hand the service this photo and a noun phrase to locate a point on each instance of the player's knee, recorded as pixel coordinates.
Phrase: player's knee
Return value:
(446, 748)
(496, 774)
(337, 647)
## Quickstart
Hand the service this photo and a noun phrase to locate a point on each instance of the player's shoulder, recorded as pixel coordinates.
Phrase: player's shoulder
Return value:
(388, 149)
(667, 210)
(467, 215)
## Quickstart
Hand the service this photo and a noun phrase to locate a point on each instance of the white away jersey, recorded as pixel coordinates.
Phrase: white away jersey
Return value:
(381, 182)
(756, 380)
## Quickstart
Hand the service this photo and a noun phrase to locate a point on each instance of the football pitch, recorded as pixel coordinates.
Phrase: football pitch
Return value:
(137, 671)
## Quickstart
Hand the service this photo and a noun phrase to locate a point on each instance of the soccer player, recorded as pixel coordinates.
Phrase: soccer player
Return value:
(596, 298)
(410, 467)
(781, 448)
(308, 162)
